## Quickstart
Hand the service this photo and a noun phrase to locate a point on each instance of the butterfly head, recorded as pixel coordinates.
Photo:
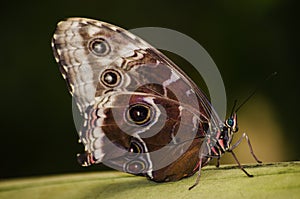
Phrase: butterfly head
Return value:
(230, 127)
(231, 123)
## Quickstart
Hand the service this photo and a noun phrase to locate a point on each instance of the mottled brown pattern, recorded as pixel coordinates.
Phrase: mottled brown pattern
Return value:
(132, 61)
(184, 166)
(147, 77)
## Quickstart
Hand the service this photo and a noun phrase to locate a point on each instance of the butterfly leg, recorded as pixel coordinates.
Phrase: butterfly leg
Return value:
(239, 164)
(251, 150)
(199, 174)
(249, 145)
(218, 162)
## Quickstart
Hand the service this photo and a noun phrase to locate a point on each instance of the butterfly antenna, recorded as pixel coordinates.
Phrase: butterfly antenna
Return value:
(255, 90)
(234, 105)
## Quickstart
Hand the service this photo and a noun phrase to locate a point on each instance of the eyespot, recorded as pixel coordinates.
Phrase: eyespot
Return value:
(135, 149)
(135, 167)
(139, 114)
(110, 78)
(99, 47)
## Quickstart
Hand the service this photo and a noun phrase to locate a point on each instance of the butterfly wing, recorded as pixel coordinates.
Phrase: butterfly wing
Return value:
(141, 113)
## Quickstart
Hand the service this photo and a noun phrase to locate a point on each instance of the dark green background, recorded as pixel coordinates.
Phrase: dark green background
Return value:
(248, 40)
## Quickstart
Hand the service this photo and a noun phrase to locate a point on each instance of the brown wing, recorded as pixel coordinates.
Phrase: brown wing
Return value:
(118, 81)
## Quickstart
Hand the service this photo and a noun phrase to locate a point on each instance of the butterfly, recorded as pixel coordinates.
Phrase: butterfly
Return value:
(141, 113)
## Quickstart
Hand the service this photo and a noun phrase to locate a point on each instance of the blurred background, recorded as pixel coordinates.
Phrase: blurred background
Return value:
(248, 40)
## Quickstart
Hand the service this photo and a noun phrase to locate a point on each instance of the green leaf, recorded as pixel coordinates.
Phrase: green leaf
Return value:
(274, 180)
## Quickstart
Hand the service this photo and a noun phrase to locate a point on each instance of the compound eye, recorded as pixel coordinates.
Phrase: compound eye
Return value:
(99, 47)
(230, 122)
(139, 114)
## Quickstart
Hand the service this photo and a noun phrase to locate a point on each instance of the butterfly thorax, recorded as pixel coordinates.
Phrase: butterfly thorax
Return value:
(219, 142)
